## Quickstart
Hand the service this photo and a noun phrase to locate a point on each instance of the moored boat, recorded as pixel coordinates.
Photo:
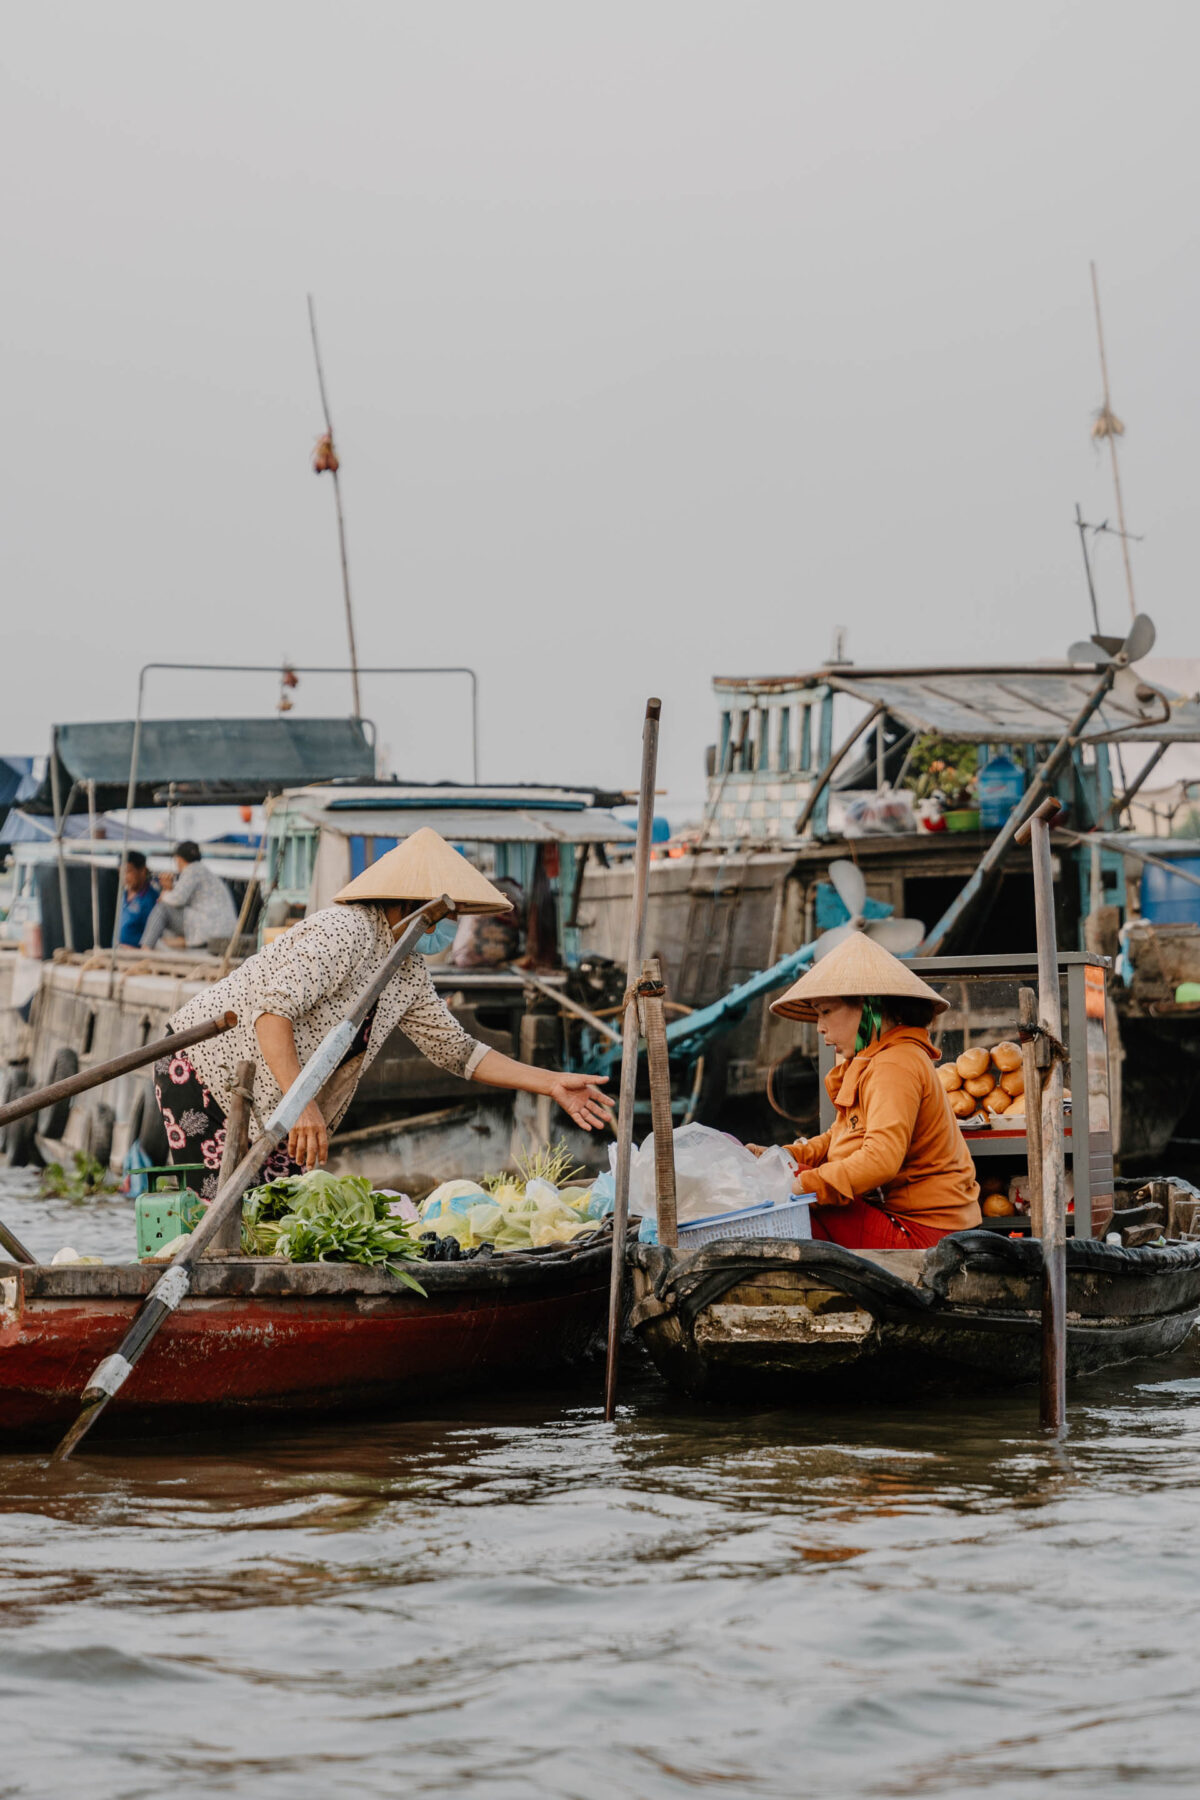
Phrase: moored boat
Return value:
(264, 1336)
(753, 1315)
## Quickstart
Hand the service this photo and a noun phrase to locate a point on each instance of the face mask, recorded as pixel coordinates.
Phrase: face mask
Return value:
(439, 939)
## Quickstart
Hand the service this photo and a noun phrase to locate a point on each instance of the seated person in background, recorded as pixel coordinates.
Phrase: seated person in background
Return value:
(138, 902)
(893, 1172)
(194, 905)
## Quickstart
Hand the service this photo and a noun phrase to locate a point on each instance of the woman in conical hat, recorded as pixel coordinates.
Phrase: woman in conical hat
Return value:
(299, 986)
(893, 1171)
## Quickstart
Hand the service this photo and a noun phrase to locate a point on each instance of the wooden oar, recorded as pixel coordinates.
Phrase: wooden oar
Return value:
(99, 1073)
(175, 1281)
(11, 1242)
(629, 1053)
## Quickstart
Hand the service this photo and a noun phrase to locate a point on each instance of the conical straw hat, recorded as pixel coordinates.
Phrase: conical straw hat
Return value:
(857, 966)
(421, 868)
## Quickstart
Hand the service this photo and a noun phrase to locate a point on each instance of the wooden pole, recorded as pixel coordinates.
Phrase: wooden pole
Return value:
(99, 1073)
(1020, 815)
(569, 1005)
(59, 825)
(629, 1052)
(1036, 831)
(95, 873)
(11, 1242)
(237, 1141)
(1109, 426)
(1033, 1106)
(247, 901)
(341, 523)
(652, 993)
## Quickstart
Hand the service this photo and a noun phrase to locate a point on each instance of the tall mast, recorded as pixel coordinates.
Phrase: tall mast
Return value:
(1109, 426)
(325, 462)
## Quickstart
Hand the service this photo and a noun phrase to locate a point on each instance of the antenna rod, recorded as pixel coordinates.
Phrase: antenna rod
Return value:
(327, 462)
(1087, 564)
(1110, 427)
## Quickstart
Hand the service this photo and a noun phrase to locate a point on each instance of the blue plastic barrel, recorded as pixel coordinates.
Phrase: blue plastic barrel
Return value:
(1000, 784)
(1166, 900)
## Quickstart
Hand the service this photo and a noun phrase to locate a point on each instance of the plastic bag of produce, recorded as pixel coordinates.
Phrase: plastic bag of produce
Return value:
(453, 1196)
(714, 1173)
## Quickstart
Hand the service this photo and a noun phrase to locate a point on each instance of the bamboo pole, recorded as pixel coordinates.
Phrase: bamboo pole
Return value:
(1109, 426)
(337, 501)
(247, 899)
(1033, 1105)
(652, 992)
(95, 873)
(1036, 832)
(11, 1242)
(59, 826)
(99, 1073)
(569, 1005)
(629, 1054)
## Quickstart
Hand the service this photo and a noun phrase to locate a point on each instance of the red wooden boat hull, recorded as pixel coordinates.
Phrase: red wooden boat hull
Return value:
(258, 1337)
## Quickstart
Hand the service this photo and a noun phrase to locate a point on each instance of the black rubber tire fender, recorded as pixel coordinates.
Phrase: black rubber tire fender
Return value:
(18, 1145)
(101, 1124)
(52, 1120)
(147, 1129)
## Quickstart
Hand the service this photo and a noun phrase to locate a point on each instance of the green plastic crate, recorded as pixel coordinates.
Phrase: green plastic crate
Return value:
(165, 1211)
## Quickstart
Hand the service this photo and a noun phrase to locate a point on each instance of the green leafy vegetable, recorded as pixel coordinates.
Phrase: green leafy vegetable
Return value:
(321, 1217)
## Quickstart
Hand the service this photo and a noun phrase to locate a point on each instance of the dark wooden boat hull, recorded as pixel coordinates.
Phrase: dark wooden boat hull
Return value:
(262, 1336)
(765, 1314)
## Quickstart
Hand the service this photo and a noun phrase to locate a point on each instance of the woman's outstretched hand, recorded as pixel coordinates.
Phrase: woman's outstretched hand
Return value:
(580, 1096)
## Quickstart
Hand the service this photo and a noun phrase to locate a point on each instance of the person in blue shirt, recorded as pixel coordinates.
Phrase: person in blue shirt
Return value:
(141, 897)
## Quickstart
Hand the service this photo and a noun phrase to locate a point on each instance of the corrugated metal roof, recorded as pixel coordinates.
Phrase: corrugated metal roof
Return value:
(1025, 706)
(997, 704)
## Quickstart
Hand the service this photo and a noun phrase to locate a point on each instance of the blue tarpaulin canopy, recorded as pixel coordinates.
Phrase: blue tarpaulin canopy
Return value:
(207, 761)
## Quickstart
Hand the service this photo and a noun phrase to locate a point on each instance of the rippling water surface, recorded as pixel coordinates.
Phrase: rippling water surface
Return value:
(504, 1598)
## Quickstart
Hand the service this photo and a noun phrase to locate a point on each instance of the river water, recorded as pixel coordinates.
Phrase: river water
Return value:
(503, 1598)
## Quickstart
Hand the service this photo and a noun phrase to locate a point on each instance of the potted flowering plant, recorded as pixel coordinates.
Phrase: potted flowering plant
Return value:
(942, 776)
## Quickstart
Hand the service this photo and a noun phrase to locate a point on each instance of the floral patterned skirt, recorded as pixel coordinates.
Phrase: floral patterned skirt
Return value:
(195, 1124)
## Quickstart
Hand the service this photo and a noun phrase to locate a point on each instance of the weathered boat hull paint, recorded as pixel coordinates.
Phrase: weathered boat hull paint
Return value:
(260, 1338)
(809, 1320)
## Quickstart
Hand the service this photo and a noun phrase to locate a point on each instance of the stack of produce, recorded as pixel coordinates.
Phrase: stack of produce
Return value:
(986, 1081)
(543, 1204)
(321, 1217)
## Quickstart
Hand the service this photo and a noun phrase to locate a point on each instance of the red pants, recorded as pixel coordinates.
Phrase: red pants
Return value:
(862, 1227)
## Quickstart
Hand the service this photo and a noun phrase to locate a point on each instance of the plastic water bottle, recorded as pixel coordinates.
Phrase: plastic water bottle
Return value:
(1000, 785)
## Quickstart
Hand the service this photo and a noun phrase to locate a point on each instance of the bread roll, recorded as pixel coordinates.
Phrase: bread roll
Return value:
(1006, 1057)
(961, 1103)
(998, 1101)
(1017, 1108)
(980, 1086)
(972, 1063)
(997, 1206)
(1013, 1082)
(949, 1077)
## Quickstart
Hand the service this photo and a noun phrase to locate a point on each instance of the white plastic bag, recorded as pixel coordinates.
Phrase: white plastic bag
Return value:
(714, 1173)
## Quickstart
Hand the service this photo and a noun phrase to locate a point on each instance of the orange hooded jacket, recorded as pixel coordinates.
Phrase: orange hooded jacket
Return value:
(894, 1130)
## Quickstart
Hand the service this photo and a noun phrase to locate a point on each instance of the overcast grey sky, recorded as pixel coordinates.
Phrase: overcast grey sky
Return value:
(661, 337)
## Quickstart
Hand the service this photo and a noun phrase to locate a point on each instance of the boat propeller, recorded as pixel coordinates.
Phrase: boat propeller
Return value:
(1129, 690)
(897, 935)
(1122, 651)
